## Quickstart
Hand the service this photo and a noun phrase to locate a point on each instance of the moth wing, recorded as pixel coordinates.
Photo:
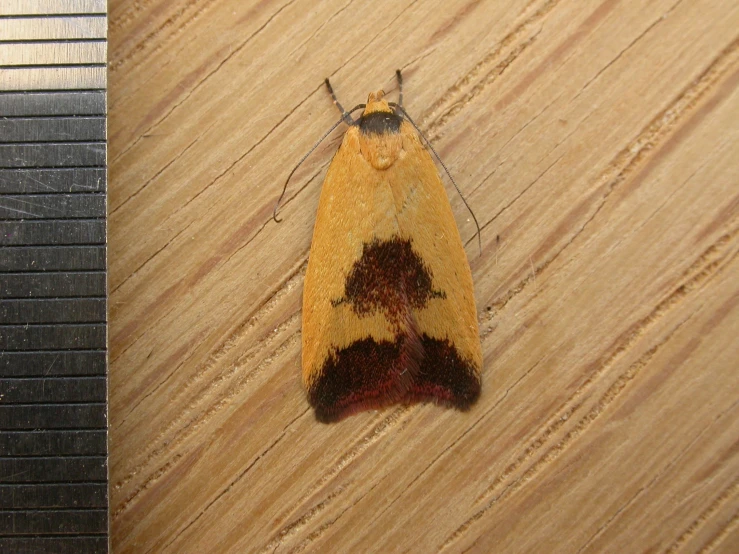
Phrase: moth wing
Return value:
(354, 206)
(388, 303)
(447, 323)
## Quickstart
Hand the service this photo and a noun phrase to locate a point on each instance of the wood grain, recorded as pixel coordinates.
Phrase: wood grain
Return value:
(598, 143)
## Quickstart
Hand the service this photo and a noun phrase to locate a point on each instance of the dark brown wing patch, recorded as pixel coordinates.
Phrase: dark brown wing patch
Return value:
(366, 374)
(444, 376)
(370, 375)
(390, 277)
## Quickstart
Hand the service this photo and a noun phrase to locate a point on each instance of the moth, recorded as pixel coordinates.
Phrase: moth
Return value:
(388, 304)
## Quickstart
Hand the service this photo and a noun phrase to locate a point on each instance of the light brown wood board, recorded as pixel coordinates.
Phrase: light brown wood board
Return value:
(598, 144)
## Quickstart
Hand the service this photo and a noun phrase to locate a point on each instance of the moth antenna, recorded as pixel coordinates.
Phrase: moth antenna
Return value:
(400, 88)
(344, 117)
(428, 143)
(344, 114)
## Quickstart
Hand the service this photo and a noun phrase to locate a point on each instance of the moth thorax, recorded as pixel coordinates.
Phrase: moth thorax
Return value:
(381, 151)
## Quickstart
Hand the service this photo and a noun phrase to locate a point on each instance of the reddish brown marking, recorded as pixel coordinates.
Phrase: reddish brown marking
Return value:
(390, 277)
(369, 375)
(444, 377)
(361, 376)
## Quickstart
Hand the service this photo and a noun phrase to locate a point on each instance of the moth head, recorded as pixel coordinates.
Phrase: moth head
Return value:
(378, 117)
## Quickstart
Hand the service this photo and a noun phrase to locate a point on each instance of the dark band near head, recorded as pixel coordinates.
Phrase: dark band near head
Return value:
(378, 123)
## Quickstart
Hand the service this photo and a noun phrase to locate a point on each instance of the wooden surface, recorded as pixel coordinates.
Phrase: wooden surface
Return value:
(598, 143)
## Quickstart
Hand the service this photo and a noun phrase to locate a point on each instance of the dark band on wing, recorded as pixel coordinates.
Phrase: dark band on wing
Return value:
(391, 277)
(369, 375)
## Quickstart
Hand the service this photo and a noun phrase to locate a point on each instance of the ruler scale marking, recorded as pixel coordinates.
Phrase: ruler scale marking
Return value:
(53, 296)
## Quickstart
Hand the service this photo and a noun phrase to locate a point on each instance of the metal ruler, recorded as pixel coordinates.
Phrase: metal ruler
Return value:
(53, 325)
